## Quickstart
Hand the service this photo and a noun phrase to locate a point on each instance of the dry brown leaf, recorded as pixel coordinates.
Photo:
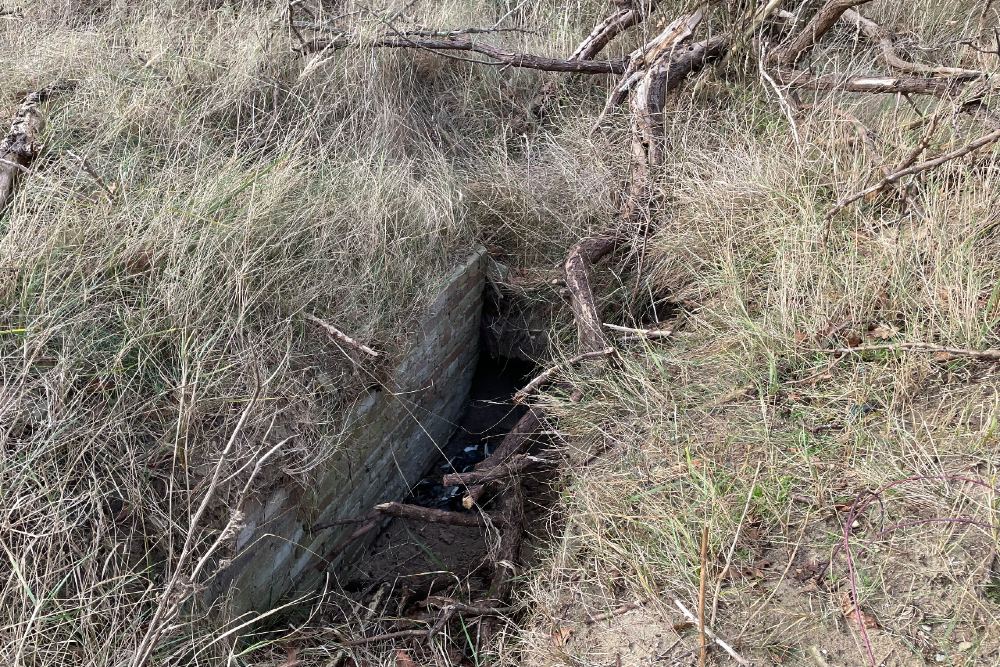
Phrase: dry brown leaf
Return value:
(884, 332)
(800, 336)
(561, 635)
(403, 659)
(291, 657)
(855, 615)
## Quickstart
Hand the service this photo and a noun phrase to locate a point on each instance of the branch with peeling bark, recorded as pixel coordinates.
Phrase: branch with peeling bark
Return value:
(497, 57)
(21, 145)
(824, 19)
(614, 25)
(881, 38)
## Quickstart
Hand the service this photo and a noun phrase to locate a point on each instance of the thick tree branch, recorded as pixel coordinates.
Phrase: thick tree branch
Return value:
(499, 57)
(611, 27)
(881, 38)
(804, 40)
(21, 145)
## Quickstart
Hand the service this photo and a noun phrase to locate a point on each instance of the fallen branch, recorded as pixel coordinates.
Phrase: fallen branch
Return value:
(880, 37)
(714, 637)
(500, 57)
(516, 438)
(577, 266)
(611, 27)
(805, 39)
(641, 333)
(980, 355)
(341, 337)
(511, 468)
(917, 168)
(22, 144)
(431, 515)
(875, 83)
(546, 375)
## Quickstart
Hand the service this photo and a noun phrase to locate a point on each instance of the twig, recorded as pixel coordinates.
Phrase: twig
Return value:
(89, 168)
(714, 637)
(625, 608)
(981, 355)
(431, 515)
(340, 336)
(547, 374)
(702, 644)
(880, 37)
(399, 634)
(926, 165)
(641, 333)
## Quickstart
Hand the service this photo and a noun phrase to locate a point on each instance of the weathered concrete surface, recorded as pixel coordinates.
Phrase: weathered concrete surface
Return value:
(393, 439)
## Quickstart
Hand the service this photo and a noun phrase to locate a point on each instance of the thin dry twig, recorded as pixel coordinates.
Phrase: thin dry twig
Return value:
(340, 336)
(917, 168)
(980, 355)
(714, 637)
(546, 375)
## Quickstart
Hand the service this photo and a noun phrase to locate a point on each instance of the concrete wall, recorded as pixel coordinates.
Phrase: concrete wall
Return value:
(393, 440)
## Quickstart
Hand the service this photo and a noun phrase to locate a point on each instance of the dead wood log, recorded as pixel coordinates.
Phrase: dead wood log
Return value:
(22, 144)
(614, 25)
(431, 515)
(821, 22)
(881, 38)
(498, 57)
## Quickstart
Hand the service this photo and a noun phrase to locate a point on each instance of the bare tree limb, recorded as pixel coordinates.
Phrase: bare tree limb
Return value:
(21, 145)
(431, 515)
(821, 22)
(611, 27)
(516, 438)
(511, 468)
(500, 57)
(880, 37)
(875, 83)
(926, 165)
(546, 375)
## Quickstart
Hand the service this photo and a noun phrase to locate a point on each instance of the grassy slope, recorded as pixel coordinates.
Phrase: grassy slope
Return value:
(250, 186)
(738, 424)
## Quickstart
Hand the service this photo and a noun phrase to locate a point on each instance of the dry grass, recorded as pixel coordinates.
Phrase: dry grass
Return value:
(738, 424)
(250, 186)
(247, 186)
